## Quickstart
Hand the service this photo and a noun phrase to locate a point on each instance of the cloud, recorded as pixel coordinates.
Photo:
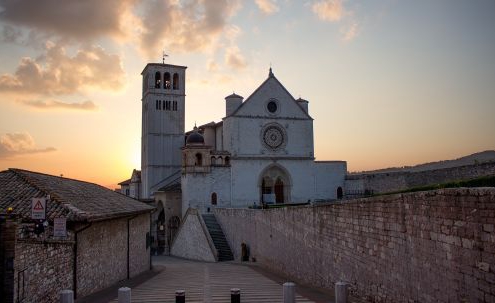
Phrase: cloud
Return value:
(186, 26)
(55, 104)
(234, 58)
(13, 144)
(55, 73)
(351, 32)
(268, 7)
(329, 10)
(69, 19)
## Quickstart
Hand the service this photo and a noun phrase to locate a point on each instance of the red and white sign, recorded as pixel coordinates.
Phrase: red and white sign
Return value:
(38, 208)
(59, 227)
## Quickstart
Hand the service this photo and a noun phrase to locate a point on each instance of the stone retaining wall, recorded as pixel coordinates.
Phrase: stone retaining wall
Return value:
(436, 246)
(192, 239)
(356, 184)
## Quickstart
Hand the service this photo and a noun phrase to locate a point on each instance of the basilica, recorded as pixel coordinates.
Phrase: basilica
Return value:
(260, 152)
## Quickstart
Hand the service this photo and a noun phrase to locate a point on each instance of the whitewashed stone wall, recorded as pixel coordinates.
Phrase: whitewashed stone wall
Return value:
(329, 177)
(192, 240)
(199, 187)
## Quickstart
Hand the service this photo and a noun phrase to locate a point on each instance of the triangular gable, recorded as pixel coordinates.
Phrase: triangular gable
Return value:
(255, 104)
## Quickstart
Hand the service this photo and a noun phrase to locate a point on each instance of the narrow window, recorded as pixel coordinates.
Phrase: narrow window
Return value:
(199, 159)
(214, 199)
(166, 79)
(213, 160)
(160, 104)
(156, 105)
(227, 160)
(158, 79)
(176, 81)
(145, 83)
(175, 105)
(340, 193)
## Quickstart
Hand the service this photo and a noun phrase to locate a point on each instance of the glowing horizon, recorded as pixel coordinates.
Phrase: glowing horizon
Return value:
(389, 84)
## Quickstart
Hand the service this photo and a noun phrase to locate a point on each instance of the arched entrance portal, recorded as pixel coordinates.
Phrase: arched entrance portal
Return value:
(275, 185)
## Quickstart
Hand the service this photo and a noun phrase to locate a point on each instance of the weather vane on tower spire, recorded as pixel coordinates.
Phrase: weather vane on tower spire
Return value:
(163, 57)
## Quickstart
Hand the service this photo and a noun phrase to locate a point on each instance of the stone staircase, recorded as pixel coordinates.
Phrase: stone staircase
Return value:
(216, 233)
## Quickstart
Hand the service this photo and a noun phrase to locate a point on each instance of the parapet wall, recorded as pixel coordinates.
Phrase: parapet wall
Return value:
(358, 184)
(422, 247)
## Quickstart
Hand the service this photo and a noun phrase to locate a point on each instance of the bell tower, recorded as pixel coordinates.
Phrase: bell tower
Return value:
(163, 115)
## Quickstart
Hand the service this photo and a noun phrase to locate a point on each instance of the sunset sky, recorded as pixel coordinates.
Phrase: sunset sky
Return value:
(390, 83)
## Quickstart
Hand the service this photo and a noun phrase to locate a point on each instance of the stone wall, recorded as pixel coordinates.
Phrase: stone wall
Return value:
(422, 247)
(139, 253)
(102, 253)
(357, 184)
(43, 269)
(7, 253)
(192, 241)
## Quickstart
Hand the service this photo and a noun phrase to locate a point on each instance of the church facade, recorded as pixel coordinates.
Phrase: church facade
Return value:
(261, 151)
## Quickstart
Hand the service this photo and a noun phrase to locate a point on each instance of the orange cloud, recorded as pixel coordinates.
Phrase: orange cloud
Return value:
(69, 19)
(14, 144)
(55, 104)
(191, 26)
(234, 58)
(268, 7)
(56, 73)
(329, 10)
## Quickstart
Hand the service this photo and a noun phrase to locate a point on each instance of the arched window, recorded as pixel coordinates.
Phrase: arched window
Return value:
(213, 160)
(227, 160)
(166, 79)
(176, 81)
(158, 79)
(199, 159)
(214, 199)
(340, 193)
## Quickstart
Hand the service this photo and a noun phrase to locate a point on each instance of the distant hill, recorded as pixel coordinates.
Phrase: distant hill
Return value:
(481, 157)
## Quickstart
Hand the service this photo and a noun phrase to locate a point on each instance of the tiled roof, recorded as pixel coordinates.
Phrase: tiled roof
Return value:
(76, 200)
(126, 182)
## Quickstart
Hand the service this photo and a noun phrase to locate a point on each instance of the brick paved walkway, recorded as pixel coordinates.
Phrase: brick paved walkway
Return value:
(209, 282)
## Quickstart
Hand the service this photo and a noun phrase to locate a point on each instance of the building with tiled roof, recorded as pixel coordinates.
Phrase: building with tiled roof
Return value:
(105, 240)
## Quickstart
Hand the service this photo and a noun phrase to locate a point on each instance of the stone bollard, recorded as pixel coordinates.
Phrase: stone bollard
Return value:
(289, 292)
(180, 296)
(235, 295)
(66, 296)
(124, 295)
(341, 292)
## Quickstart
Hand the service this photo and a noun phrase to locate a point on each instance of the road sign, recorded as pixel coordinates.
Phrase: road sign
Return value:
(38, 208)
(59, 227)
